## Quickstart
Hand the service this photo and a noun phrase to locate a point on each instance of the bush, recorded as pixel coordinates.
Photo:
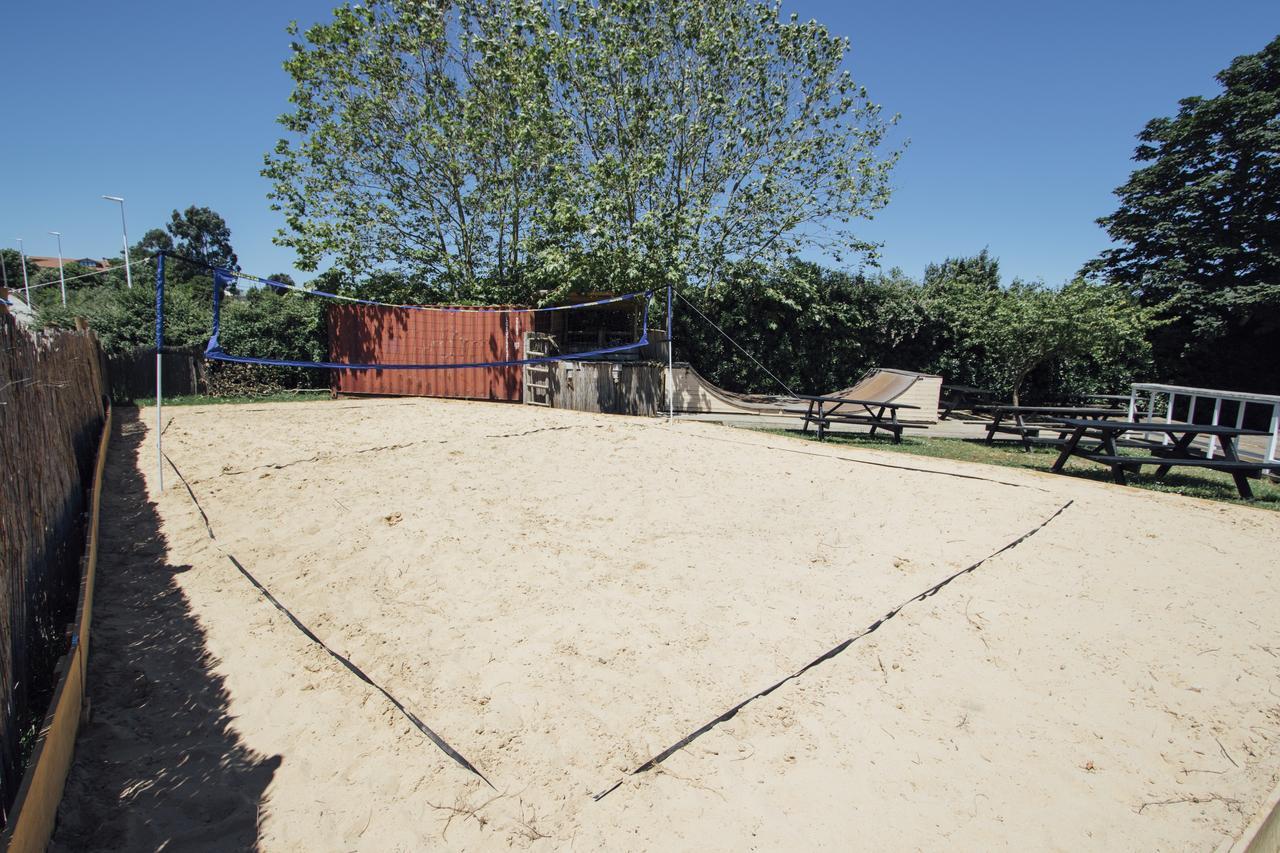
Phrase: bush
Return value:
(266, 324)
(263, 324)
(819, 330)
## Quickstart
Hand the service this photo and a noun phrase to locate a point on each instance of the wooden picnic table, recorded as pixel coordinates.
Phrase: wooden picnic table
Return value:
(1108, 435)
(961, 397)
(823, 411)
(1029, 420)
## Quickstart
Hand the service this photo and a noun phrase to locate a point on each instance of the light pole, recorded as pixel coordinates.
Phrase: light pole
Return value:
(26, 288)
(124, 233)
(62, 278)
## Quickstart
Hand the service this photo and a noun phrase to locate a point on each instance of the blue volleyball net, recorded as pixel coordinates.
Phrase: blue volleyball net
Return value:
(366, 334)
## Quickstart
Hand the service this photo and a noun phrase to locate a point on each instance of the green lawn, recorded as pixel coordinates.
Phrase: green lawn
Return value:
(202, 400)
(1211, 485)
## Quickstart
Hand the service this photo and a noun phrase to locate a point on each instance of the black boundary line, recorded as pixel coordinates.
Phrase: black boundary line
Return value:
(825, 656)
(311, 635)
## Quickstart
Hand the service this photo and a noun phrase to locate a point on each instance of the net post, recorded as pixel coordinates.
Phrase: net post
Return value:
(671, 389)
(159, 385)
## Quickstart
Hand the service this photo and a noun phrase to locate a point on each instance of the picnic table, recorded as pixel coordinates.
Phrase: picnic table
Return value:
(961, 397)
(824, 411)
(1029, 420)
(1108, 438)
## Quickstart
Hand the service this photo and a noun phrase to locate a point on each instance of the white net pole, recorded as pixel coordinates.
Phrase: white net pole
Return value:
(671, 373)
(159, 381)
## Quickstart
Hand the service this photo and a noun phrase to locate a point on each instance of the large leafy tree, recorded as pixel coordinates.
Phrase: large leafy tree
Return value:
(202, 233)
(1198, 229)
(1028, 326)
(506, 147)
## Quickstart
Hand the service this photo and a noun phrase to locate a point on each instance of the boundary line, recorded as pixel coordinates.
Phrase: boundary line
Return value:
(311, 635)
(825, 656)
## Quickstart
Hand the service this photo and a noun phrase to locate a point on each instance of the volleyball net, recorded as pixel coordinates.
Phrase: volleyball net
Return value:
(367, 334)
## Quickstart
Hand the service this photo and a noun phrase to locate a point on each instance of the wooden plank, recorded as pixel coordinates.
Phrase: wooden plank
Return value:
(35, 809)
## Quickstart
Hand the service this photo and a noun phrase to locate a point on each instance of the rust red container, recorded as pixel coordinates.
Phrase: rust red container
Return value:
(370, 334)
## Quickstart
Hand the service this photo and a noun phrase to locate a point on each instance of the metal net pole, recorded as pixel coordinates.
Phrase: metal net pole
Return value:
(159, 381)
(671, 388)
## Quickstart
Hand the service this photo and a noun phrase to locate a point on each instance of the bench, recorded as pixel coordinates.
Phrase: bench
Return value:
(878, 414)
(1029, 420)
(1238, 469)
(1107, 435)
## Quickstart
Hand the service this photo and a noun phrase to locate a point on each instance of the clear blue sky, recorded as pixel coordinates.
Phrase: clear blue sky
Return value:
(1021, 115)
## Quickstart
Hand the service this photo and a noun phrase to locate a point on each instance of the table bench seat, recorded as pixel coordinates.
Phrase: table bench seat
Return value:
(1238, 469)
(822, 412)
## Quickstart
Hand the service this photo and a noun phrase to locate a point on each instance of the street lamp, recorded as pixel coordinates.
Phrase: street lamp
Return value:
(62, 278)
(26, 288)
(124, 232)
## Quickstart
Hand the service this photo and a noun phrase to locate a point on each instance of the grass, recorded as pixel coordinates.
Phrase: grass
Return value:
(298, 396)
(1210, 485)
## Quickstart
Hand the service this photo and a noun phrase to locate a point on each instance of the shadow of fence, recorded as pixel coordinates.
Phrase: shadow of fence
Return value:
(159, 765)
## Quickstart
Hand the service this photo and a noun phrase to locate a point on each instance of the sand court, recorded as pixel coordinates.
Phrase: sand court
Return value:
(560, 597)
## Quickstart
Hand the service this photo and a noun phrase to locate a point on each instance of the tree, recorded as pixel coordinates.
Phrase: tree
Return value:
(1027, 326)
(283, 278)
(154, 241)
(201, 233)
(11, 259)
(510, 147)
(1197, 228)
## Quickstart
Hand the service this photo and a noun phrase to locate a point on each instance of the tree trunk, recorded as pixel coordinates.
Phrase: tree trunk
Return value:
(1018, 380)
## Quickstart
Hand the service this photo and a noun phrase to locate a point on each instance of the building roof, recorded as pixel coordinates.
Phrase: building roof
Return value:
(45, 262)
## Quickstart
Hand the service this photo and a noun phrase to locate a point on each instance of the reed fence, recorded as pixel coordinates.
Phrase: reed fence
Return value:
(52, 392)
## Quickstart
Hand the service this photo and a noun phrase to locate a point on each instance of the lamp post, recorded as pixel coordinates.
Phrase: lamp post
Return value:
(26, 288)
(124, 233)
(62, 278)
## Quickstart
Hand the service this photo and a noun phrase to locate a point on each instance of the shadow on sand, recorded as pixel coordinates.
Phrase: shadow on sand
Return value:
(159, 765)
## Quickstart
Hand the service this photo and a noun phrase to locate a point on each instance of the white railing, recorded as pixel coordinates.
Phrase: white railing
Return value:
(1151, 394)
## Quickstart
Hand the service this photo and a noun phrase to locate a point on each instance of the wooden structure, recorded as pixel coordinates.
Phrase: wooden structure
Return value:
(373, 334)
(822, 412)
(1176, 449)
(51, 410)
(1153, 398)
(537, 377)
(132, 375)
(1029, 421)
(608, 387)
(31, 821)
(52, 414)
(469, 334)
(695, 395)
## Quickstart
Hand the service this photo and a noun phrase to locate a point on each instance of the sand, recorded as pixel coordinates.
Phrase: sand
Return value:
(560, 597)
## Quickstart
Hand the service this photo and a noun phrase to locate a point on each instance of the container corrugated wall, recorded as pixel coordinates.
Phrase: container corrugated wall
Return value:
(370, 334)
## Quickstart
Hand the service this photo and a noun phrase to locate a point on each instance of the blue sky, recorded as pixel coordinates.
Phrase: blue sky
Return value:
(1021, 116)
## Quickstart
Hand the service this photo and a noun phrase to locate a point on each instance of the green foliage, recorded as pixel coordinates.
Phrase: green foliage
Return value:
(124, 319)
(11, 260)
(283, 278)
(1197, 229)
(154, 241)
(202, 234)
(1029, 326)
(287, 326)
(819, 330)
(816, 329)
(507, 148)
